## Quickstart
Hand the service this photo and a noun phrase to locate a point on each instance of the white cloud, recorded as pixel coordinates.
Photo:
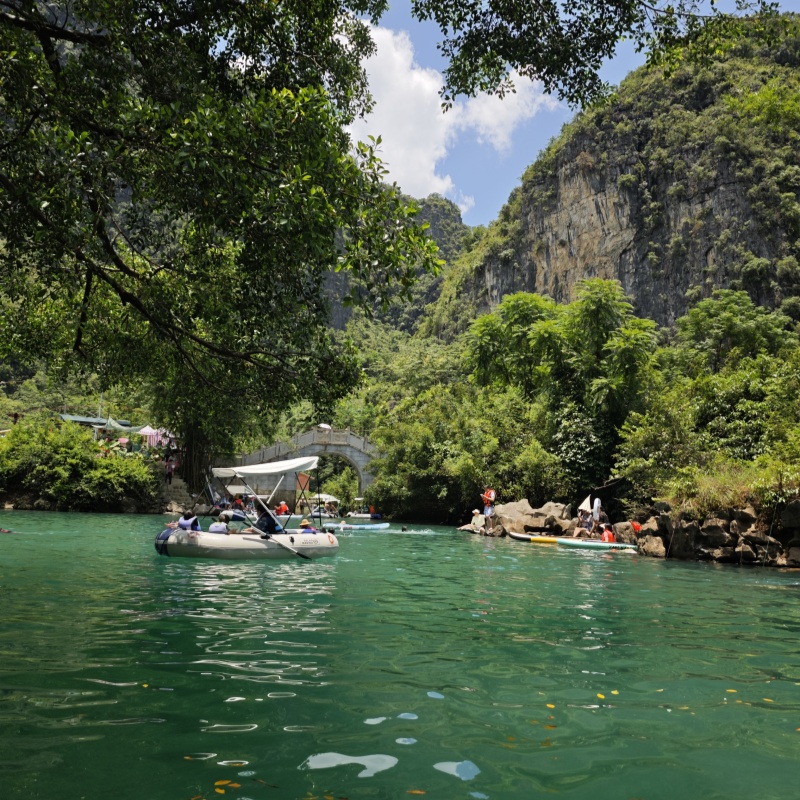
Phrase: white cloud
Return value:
(416, 136)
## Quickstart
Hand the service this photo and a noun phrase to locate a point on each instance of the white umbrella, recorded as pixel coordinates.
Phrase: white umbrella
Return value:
(586, 505)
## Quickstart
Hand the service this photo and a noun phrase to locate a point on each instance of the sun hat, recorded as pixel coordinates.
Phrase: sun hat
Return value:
(304, 523)
(476, 511)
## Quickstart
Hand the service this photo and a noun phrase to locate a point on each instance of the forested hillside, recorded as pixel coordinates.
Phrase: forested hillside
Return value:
(679, 185)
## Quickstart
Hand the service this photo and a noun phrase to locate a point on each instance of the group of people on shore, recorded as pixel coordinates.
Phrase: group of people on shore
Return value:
(592, 523)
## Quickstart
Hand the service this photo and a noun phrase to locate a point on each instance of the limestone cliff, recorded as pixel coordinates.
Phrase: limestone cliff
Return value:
(677, 186)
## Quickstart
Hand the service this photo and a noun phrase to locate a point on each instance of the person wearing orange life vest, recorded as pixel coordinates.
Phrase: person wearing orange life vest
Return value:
(489, 496)
(608, 534)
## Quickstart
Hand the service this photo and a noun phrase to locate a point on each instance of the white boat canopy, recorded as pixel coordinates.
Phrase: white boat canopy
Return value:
(324, 498)
(268, 468)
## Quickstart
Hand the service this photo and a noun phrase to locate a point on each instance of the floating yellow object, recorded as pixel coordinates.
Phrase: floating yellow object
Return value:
(221, 783)
(615, 691)
(683, 708)
(659, 690)
(731, 691)
(550, 705)
(219, 791)
(550, 727)
(767, 700)
(415, 791)
(236, 786)
(145, 685)
(601, 696)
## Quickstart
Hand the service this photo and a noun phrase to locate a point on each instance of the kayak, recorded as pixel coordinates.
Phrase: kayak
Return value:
(175, 542)
(568, 541)
(375, 526)
(596, 544)
(536, 538)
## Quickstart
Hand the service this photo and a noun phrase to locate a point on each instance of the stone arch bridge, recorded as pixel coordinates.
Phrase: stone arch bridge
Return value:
(355, 449)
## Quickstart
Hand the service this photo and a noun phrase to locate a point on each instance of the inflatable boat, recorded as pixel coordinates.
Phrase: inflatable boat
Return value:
(175, 542)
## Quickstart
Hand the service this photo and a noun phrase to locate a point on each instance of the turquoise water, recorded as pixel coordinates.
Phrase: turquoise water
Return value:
(427, 662)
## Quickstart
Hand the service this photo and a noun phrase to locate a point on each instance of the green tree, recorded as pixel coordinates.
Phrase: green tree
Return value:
(726, 327)
(176, 183)
(587, 359)
(564, 45)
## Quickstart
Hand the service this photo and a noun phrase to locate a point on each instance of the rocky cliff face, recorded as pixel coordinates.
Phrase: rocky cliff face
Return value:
(679, 186)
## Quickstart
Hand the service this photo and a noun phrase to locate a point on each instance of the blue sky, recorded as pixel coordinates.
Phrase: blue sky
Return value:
(476, 153)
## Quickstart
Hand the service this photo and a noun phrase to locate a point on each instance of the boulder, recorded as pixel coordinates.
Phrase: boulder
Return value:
(513, 517)
(652, 546)
(793, 556)
(624, 532)
(682, 543)
(564, 527)
(665, 526)
(725, 555)
(649, 528)
(558, 510)
(745, 553)
(470, 529)
(714, 533)
(790, 516)
(746, 517)
(755, 536)
(128, 506)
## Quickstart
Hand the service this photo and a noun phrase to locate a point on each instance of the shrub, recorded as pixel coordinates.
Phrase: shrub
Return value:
(61, 463)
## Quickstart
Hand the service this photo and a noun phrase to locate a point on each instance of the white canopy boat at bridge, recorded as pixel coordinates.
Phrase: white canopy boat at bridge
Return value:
(279, 543)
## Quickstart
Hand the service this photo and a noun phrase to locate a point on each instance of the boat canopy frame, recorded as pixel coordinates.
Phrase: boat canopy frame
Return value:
(244, 473)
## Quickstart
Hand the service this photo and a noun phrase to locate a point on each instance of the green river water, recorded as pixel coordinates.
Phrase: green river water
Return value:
(426, 662)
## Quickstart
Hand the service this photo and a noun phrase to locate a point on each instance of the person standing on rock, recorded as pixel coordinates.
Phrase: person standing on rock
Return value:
(169, 468)
(489, 496)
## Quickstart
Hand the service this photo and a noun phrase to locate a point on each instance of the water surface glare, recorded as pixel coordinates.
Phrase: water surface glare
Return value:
(426, 661)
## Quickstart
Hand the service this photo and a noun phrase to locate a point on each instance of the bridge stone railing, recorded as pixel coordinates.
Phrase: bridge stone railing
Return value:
(353, 447)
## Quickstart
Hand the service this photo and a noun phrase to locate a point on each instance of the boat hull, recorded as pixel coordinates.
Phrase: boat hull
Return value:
(244, 547)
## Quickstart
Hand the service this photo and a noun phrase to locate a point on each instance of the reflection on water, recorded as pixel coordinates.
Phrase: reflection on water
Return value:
(423, 661)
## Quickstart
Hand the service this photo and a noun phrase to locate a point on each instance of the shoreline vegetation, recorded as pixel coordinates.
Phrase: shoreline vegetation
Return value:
(474, 381)
(694, 428)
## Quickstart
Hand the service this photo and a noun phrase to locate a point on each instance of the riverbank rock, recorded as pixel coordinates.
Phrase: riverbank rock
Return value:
(521, 517)
(652, 546)
(731, 536)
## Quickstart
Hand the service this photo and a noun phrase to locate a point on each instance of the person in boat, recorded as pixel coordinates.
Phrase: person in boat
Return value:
(187, 522)
(238, 504)
(266, 524)
(282, 508)
(307, 527)
(218, 527)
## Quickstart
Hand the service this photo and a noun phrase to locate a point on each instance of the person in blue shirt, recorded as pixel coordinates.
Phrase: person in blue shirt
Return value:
(266, 524)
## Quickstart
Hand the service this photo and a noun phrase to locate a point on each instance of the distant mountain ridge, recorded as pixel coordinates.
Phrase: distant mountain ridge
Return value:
(680, 185)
